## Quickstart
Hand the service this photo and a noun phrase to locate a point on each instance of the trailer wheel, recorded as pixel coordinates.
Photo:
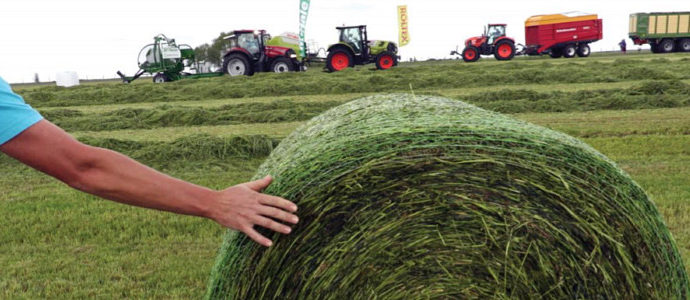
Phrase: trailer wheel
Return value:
(385, 61)
(282, 64)
(584, 50)
(654, 47)
(505, 50)
(470, 54)
(684, 45)
(569, 51)
(666, 46)
(160, 78)
(236, 65)
(556, 52)
(338, 60)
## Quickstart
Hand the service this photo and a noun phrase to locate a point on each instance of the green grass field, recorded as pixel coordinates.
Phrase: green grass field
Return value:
(59, 243)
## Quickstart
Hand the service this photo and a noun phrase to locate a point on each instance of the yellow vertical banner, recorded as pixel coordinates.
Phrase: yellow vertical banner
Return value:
(404, 33)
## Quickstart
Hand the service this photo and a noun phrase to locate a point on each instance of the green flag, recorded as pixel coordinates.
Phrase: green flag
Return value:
(303, 14)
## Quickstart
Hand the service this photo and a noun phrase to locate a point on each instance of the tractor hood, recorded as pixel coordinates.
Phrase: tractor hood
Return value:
(378, 46)
(473, 40)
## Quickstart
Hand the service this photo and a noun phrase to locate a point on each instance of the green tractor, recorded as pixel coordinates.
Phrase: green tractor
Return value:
(355, 49)
(167, 61)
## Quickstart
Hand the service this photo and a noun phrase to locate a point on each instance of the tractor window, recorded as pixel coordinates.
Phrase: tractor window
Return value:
(232, 41)
(249, 42)
(496, 32)
(353, 37)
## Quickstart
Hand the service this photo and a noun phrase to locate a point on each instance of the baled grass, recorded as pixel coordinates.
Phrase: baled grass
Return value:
(405, 197)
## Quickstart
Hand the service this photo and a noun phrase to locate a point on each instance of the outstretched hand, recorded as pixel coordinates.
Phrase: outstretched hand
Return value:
(242, 206)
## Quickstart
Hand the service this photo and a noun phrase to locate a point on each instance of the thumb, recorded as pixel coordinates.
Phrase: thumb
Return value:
(259, 185)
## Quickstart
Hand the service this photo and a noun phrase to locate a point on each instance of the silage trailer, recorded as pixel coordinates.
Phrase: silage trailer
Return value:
(566, 35)
(665, 32)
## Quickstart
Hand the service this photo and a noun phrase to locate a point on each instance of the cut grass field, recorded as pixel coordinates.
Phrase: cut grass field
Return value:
(57, 242)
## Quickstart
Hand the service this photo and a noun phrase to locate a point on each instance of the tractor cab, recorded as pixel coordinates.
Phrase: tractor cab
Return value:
(355, 37)
(495, 31)
(251, 41)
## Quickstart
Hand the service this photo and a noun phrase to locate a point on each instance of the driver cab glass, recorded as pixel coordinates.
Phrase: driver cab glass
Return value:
(249, 42)
(496, 32)
(232, 42)
(352, 36)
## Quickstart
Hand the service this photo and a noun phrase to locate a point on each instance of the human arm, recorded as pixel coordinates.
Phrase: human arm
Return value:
(116, 177)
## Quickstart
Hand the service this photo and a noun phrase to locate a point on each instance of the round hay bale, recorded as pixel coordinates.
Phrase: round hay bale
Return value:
(405, 197)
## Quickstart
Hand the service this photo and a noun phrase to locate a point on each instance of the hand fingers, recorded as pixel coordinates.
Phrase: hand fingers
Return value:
(278, 214)
(272, 225)
(261, 184)
(257, 237)
(278, 202)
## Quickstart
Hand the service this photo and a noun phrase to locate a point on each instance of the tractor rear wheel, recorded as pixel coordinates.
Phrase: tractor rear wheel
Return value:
(583, 50)
(282, 64)
(556, 52)
(666, 46)
(684, 45)
(569, 51)
(236, 65)
(385, 61)
(338, 60)
(160, 78)
(470, 54)
(504, 50)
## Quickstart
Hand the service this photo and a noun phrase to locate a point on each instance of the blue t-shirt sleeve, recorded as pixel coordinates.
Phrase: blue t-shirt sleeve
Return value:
(15, 115)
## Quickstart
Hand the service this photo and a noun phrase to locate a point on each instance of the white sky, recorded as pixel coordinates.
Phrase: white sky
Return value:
(96, 38)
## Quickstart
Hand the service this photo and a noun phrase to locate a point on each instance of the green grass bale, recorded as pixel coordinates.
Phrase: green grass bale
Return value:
(405, 197)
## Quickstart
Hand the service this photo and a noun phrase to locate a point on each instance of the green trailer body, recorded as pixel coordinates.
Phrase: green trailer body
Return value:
(664, 31)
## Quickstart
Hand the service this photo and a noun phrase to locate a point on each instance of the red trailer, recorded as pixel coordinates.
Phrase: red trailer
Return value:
(564, 35)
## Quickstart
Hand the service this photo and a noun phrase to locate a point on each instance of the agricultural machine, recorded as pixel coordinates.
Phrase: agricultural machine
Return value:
(354, 48)
(166, 61)
(562, 35)
(255, 51)
(665, 32)
(559, 35)
(492, 42)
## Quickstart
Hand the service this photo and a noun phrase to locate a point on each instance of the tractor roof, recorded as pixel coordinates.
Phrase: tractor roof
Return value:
(245, 31)
(345, 27)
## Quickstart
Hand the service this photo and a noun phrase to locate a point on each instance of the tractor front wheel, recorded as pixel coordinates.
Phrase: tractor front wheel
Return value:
(338, 60)
(470, 54)
(504, 50)
(236, 65)
(569, 51)
(385, 61)
(160, 78)
(282, 64)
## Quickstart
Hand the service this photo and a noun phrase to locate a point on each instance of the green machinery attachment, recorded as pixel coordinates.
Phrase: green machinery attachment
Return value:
(166, 61)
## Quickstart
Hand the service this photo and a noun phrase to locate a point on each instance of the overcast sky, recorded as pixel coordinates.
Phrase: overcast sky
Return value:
(95, 38)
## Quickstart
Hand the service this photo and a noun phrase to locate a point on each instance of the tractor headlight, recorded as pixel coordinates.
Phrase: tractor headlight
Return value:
(293, 55)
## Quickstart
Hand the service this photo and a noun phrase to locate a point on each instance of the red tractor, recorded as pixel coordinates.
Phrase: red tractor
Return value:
(493, 42)
(252, 51)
